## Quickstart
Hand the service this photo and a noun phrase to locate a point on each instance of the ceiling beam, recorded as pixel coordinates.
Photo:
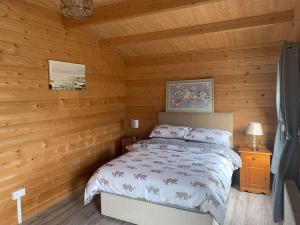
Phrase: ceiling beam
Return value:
(130, 9)
(242, 23)
(236, 52)
(297, 21)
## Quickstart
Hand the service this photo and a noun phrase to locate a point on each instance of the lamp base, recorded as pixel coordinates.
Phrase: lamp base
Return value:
(254, 148)
(133, 136)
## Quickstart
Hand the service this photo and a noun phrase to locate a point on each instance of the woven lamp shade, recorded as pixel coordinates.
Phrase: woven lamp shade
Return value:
(76, 9)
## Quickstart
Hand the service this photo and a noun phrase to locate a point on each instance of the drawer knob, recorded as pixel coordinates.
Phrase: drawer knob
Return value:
(253, 158)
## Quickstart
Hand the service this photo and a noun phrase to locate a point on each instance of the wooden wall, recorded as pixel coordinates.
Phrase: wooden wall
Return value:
(51, 141)
(244, 84)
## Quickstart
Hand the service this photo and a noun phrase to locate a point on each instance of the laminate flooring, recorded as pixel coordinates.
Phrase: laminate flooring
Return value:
(243, 209)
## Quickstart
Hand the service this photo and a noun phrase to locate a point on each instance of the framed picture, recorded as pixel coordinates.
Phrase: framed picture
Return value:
(66, 76)
(190, 96)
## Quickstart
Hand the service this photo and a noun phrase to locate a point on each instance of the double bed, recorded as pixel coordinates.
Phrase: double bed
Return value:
(169, 181)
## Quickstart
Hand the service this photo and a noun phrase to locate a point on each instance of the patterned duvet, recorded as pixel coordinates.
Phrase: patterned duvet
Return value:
(190, 175)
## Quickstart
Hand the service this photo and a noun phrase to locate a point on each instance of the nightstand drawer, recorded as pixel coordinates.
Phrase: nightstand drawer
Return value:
(256, 160)
(125, 141)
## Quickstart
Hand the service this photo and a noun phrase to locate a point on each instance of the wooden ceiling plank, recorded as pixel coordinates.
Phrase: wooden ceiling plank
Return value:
(130, 9)
(243, 23)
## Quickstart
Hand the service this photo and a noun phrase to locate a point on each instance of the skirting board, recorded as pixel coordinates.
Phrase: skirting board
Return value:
(145, 213)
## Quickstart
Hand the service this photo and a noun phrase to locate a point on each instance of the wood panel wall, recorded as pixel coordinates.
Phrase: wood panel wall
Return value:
(244, 84)
(51, 141)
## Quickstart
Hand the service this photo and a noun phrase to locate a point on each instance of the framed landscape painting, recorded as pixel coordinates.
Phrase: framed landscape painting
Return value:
(66, 76)
(190, 96)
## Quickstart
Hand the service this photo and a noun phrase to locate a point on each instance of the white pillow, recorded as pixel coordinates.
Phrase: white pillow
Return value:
(214, 136)
(168, 131)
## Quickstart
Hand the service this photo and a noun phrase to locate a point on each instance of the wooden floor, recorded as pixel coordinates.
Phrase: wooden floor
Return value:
(243, 209)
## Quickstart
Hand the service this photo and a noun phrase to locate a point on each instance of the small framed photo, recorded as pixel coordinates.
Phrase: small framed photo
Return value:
(66, 76)
(190, 96)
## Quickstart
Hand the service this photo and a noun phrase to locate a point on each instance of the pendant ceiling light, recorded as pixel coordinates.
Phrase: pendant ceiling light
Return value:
(76, 9)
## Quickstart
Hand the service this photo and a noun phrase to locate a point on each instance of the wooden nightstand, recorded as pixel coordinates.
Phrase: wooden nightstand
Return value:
(255, 171)
(125, 141)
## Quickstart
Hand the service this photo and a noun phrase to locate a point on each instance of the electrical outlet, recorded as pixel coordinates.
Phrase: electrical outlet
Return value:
(18, 194)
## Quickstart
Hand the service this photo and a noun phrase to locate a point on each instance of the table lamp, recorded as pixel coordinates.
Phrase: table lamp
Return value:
(134, 124)
(254, 129)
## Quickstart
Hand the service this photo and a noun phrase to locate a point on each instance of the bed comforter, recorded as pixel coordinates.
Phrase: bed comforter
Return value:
(190, 175)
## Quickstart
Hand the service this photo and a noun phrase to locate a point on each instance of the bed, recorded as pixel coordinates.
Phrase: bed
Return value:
(158, 183)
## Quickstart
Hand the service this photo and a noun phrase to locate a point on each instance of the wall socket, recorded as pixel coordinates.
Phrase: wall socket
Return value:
(18, 194)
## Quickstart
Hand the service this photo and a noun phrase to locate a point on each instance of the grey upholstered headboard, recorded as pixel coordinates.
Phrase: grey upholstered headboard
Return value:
(222, 121)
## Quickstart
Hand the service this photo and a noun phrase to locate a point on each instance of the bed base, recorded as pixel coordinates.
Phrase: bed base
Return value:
(145, 213)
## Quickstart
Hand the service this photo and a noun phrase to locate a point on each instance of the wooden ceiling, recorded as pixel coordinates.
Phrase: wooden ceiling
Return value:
(145, 27)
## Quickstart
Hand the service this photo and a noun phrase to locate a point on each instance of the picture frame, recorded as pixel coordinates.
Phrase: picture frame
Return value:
(66, 76)
(190, 96)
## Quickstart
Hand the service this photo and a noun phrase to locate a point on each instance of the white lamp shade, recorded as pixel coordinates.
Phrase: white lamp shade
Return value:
(134, 123)
(254, 128)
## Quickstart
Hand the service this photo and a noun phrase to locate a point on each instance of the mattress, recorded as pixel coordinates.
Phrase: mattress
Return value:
(189, 175)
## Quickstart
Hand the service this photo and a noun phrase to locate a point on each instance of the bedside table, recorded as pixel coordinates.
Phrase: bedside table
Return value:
(255, 171)
(125, 141)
